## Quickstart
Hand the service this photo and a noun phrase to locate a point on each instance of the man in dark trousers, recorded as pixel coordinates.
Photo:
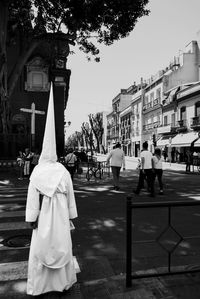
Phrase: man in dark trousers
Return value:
(146, 170)
(117, 161)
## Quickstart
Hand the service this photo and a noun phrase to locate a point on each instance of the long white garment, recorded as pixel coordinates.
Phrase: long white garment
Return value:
(51, 265)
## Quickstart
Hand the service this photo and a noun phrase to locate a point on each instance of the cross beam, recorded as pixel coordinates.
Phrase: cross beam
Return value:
(33, 112)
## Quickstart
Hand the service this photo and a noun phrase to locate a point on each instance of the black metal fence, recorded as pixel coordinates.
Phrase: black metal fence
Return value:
(130, 244)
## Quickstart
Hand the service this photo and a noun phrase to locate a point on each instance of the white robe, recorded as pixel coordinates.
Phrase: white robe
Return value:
(51, 264)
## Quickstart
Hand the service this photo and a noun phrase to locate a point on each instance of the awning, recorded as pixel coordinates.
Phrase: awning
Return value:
(171, 93)
(163, 141)
(184, 140)
(197, 143)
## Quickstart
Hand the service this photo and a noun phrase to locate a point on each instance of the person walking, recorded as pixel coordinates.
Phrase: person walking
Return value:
(20, 162)
(27, 162)
(117, 161)
(34, 160)
(71, 162)
(50, 206)
(188, 160)
(146, 171)
(158, 169)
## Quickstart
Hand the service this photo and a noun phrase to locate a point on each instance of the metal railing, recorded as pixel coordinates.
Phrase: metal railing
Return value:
(195, 121)
(129, 240)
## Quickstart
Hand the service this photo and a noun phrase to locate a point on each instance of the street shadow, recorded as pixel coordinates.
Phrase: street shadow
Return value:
(101, 229)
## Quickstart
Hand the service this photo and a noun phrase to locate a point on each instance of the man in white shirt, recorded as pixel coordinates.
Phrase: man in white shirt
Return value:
(117, 161)
(146, 170)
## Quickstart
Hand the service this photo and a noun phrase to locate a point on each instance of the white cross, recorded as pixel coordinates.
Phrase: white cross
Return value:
(33, 112)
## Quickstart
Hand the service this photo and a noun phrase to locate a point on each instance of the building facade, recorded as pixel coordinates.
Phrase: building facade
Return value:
(152, 110)
(165, 108)
(32, 90)
(136, 121)
(119, 103)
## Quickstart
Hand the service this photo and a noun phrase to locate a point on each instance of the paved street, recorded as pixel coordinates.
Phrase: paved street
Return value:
(100, 238)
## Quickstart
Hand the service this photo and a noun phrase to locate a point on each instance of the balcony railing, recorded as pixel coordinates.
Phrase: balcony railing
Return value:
(156, 102)
(195, 121)
(168, 239)
(147, 106)
(181, 125)
(151, 126)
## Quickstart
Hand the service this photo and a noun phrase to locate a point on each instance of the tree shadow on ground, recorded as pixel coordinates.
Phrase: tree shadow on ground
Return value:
(101, 226)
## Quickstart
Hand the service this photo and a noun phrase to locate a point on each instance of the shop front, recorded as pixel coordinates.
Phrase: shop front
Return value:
(183, 142)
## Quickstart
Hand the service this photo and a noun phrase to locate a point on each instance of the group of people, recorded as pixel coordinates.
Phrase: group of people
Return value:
(27, 160)
(51, 207)
(150, 167)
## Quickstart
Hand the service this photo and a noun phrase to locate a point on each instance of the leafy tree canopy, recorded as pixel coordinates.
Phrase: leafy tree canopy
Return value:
(54, 25)
(86, 22)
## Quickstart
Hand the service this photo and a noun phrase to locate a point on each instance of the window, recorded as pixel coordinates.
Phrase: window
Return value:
(173, 120)
(183, 113)
(37, 75)
(158, 93)
(152, 97)
(197, 109)
(37, 79)
(165, 120)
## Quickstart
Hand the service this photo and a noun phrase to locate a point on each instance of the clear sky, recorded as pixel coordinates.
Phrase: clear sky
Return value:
(153, 43)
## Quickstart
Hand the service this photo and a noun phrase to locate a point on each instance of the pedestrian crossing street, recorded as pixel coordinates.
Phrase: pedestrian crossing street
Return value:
(15, 236)
(97, 278)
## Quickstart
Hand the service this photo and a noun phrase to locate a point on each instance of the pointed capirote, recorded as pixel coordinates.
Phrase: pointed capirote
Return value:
(48, 153)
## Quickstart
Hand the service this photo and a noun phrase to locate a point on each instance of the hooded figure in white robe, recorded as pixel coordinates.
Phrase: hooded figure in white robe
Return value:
(51, 264)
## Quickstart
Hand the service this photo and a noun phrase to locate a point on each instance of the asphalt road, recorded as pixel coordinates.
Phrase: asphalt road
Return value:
(99, 240)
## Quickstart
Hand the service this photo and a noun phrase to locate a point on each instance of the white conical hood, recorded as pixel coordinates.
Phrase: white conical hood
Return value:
(48, 173)
(49, 141)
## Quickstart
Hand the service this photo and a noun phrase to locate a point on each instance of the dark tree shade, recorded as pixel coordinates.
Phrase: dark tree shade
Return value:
(87, 22)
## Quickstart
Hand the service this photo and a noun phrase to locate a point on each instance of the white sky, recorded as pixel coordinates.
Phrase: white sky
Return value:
(156, 39)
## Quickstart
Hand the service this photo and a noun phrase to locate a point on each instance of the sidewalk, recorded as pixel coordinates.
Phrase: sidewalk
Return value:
(100, 246)
(180, 167)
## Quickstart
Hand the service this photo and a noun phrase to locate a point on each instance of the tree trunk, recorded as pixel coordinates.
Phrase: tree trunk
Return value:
(4, 107)
(14, 76)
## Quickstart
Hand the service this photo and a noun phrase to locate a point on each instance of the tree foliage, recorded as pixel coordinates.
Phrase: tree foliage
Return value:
(86, 23)
(87, 20)
(96, 123)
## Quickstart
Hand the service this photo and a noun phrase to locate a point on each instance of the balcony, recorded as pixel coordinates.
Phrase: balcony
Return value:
(156, 102)
(181, 125)
(147, 106)
(151, 126)
(195, 122)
